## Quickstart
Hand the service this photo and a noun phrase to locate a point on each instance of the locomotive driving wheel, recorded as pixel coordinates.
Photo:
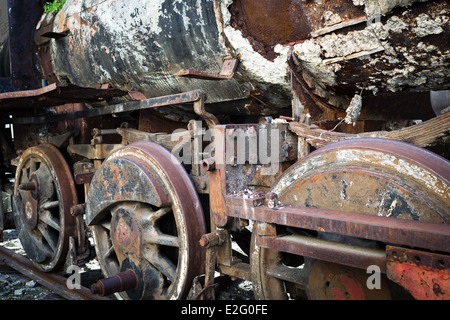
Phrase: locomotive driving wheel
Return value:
(367, 176)
(44, 192)
(146, 217)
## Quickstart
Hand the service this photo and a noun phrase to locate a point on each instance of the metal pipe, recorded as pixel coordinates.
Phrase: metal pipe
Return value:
(346, 254)
(440, 100)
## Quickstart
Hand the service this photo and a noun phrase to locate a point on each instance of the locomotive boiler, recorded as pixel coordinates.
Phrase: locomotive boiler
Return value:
(291, 143)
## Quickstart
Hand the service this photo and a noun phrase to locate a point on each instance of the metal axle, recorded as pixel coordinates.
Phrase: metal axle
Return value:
(122, 281)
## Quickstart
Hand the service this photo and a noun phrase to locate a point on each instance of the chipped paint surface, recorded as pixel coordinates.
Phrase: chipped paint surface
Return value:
(368, 180)
(141, 46)
(399, 165)
(383, 7)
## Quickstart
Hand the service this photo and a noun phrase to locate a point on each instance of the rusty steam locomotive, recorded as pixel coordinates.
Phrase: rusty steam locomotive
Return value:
(294, 144)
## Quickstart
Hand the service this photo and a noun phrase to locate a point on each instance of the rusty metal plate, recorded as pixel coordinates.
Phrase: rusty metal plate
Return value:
(130, 106)
(227, 71)
(328, 281)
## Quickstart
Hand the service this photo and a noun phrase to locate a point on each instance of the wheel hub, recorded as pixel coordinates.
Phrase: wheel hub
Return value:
(30, 210)
(125, 234)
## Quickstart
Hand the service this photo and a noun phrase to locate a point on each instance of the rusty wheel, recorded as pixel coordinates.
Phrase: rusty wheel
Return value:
(367, 176)
(44, 192)
(146, 216)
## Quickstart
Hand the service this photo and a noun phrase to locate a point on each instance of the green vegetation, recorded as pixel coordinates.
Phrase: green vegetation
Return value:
(54, 6)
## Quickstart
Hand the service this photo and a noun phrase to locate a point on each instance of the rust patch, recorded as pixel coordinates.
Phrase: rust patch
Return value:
(266, 23)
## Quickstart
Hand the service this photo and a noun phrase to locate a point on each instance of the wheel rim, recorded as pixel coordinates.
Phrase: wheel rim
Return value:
(155, 233)
(369, 176)
(42, 214)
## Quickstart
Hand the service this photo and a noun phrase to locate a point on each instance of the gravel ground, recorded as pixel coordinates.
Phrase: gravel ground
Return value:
(15, 286)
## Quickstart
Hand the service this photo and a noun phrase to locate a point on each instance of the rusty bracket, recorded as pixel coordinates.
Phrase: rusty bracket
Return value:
(425, 275)
(199, 109)
(53, 95)
(79, 248)
(212, 241)
(227, 72)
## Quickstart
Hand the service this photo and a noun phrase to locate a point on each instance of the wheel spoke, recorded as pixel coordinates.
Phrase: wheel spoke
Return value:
(24, 176)
(151, 217)
(161, 263)
(161, 213)
(110, 253)
(158, 238)
(50, 205)
(46, 233)
(48, 219)
(41, 246)
(32, 165)
(106, 224)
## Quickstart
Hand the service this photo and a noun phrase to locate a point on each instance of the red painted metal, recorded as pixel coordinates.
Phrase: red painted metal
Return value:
(425, 275)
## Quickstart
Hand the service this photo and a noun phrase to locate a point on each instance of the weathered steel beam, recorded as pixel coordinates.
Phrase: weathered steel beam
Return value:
(187, 97)
(419, 234)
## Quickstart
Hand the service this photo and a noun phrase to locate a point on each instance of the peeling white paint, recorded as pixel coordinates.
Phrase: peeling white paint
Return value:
(399, 165)
(288, 179)
(373, 7)
(427, 25)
